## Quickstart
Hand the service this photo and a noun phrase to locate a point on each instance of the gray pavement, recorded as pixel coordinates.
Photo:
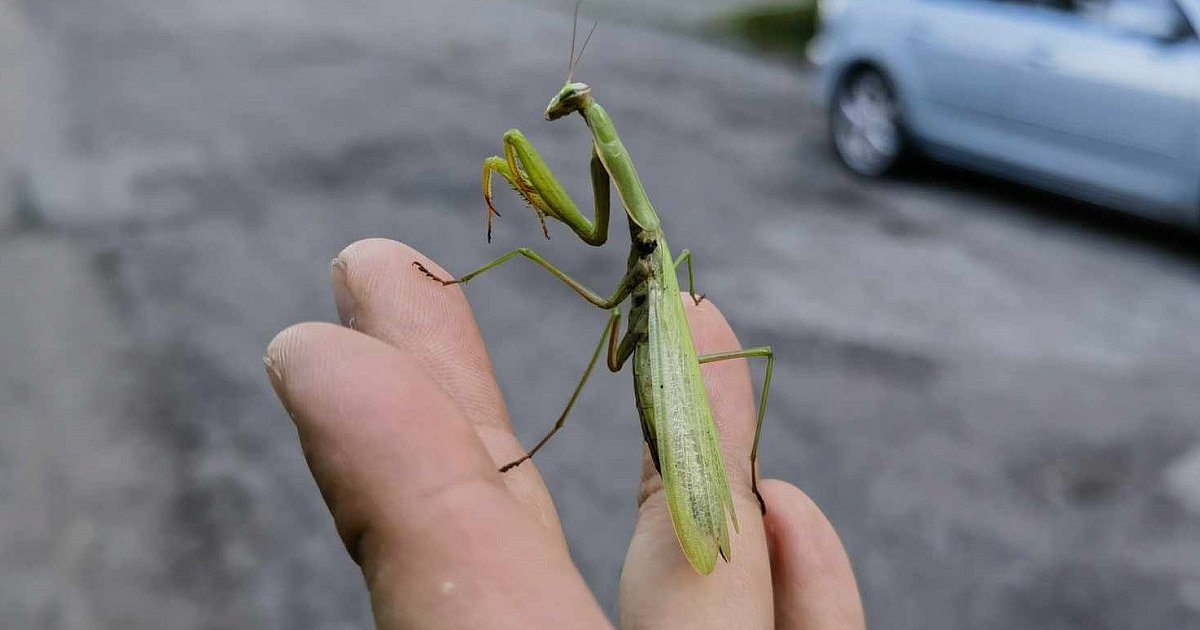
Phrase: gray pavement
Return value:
(13, 64)
(992, 392)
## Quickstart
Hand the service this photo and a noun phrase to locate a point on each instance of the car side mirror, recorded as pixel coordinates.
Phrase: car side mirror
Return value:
(1159, 20)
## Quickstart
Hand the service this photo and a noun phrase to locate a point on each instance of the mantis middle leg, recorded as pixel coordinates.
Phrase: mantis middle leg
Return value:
(529, 175)
(609, 334)
(686, 255)
(766, 352)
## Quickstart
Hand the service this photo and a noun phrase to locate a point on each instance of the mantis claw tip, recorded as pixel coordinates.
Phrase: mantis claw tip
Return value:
(511, 465)
(762, 505)
(427, 272)
(491, 211)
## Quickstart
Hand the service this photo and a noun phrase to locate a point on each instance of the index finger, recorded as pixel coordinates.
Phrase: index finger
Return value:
(380, 293)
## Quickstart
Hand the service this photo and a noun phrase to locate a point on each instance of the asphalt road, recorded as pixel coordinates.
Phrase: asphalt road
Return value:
(992, 392)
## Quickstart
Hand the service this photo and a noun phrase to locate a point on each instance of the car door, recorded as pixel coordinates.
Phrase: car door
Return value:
(965, 54)
(1108, 102)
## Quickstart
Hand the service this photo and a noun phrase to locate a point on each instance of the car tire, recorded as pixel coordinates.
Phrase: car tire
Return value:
(865, 123)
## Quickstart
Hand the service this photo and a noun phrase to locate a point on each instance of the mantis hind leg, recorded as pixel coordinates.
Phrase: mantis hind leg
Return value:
(609, 336)
(686, 256)
(769, 355)
(533, 180)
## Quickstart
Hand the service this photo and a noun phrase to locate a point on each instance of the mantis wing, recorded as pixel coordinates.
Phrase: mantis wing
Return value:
(689, 454)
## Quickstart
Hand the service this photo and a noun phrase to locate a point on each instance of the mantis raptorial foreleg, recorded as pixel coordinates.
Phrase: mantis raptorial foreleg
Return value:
(635, 275)
(766, 352)
(609, 335)
(686, 256)
(529, 175)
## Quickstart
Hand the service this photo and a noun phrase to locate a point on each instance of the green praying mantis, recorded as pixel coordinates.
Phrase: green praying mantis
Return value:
(677, 422)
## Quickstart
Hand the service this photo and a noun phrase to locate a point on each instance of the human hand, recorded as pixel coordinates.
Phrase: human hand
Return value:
(403, 426)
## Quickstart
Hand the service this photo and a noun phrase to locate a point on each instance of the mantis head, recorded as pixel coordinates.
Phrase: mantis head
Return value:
(572, 98)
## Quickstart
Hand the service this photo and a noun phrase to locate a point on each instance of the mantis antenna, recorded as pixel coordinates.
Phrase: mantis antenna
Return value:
(571, 53)
(572, 60)
(583, 48)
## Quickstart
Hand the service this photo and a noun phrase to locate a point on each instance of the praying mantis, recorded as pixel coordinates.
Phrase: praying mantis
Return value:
(677, 422)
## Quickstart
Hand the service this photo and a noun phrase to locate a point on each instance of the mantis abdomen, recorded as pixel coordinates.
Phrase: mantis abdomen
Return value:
(678, 422)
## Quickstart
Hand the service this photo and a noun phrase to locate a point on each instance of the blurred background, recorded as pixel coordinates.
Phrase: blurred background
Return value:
(993, 391)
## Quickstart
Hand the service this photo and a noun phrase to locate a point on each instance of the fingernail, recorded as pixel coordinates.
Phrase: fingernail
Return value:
(276, 377)
(347, 306)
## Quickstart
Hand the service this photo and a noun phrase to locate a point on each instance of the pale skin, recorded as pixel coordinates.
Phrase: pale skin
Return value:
(404, 428)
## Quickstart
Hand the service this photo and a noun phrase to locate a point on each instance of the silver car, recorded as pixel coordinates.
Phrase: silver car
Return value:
(1097, 99)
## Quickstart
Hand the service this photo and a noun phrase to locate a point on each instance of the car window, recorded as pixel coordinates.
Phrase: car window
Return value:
(1068, 6)
(1156, 19)
(1065, 6)
(1092, 8)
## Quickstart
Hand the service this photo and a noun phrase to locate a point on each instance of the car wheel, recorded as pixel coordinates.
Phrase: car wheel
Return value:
(865, 123)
